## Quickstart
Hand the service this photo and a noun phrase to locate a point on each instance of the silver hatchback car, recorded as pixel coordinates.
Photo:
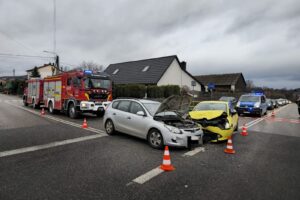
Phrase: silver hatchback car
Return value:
(159, 123)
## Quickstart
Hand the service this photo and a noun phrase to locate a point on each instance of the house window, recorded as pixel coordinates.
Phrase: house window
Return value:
(116, 71)
(145, 68)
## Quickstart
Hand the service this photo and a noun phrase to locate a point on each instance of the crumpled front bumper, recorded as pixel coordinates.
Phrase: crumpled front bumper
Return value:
(185, 139)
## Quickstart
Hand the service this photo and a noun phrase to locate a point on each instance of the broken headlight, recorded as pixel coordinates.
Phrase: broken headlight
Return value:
(173, 129)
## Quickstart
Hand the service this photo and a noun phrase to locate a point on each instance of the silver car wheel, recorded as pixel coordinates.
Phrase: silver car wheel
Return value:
(155, 139)
(109, 127)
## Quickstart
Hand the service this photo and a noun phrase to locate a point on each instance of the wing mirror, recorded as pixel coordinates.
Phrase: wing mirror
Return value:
(141, 113)
(233, 111)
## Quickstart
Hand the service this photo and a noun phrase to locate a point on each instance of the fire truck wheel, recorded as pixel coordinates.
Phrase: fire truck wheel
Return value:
(34, 105)
(51, 108)
(25, 102)
(72, 111)
(100, 114)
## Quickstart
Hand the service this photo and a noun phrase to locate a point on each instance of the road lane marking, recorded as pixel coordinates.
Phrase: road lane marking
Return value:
(147, 176)
(194, 152)
(49, 145)
(60, 120)
(252, 123)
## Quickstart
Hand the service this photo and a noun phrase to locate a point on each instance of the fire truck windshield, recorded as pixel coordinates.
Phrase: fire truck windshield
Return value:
(96, 83)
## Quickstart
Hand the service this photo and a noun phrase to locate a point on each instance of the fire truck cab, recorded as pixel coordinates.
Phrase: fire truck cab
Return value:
(77, 92)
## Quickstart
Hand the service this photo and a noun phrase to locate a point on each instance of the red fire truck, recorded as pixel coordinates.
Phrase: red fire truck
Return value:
(33, 94)
(73, 92)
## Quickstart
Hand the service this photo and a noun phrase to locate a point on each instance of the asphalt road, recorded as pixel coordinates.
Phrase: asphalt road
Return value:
(51, 157)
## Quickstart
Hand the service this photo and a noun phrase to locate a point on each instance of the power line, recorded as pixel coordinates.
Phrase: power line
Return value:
(19, 43)
(21, 55)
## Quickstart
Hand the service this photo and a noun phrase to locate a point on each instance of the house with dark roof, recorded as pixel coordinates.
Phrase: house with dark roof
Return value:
(223, 82)
(155, 71)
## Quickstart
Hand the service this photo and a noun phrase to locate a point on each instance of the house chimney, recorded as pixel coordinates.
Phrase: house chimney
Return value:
(183, 65)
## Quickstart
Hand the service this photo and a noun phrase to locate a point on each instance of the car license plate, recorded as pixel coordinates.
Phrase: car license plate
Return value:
(194, 138)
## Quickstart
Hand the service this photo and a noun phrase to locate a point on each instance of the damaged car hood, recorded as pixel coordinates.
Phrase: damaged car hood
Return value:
(206, 114)
(175, 103)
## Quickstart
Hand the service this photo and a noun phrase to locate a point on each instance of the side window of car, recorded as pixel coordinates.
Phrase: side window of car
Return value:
(135, 107)
(115, 104)
(124, 106)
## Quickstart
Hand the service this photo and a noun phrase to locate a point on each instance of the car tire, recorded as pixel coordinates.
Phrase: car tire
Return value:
(51, 108)
(34, 105)
(237, 127)
(260, 113)
(25, 101)
(72, 111)
(100, 114)
(155, 139)
(109, 127)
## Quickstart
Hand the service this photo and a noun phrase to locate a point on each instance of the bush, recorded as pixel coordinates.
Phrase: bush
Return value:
(132, 90)
(138, 91)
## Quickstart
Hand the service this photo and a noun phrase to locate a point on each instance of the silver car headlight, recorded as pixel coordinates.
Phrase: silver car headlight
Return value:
(173, 129)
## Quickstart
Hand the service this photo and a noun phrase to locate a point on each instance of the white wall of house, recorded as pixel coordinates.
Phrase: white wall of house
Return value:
(44, 71)
(176, 76)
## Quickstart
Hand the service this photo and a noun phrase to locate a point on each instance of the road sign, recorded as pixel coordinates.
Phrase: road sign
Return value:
(211, 86)
(193, 83)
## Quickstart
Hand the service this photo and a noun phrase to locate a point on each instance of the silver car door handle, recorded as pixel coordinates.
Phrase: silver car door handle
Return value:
(114, 114)
(128, 117)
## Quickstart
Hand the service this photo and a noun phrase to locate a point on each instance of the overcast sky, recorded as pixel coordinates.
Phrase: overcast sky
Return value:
(259, 38)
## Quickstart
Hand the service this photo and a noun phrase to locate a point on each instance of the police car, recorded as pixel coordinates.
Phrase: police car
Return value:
(253, 103)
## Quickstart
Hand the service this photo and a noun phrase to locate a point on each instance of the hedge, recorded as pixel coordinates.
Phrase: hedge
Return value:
(138, 91)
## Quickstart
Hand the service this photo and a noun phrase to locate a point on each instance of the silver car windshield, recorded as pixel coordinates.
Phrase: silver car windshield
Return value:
(152, 107)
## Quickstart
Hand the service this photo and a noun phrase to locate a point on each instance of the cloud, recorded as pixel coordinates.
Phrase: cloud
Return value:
(258, 38)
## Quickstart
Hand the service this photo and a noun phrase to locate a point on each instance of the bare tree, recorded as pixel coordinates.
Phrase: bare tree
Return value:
(90, 65)
(249, 84)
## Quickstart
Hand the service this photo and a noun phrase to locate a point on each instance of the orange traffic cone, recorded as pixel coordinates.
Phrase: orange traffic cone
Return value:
(84, 125)
(273, 114)
(229, 148)
(244, 131)
(43, 111)
(166, 165)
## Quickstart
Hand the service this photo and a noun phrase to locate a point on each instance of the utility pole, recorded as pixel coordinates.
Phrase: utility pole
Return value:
(54, 26)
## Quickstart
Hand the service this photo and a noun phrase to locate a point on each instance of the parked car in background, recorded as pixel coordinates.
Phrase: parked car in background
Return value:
(217, 118)
(298, 103)
(270, 104)
(159, 123)
(253, 103)
(232, 100)
(275, 103)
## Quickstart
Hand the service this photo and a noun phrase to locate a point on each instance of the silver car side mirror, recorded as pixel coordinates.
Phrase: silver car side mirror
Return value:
(140, 113)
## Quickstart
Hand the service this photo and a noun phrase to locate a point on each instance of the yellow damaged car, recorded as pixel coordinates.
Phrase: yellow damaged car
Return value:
(218, 119)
